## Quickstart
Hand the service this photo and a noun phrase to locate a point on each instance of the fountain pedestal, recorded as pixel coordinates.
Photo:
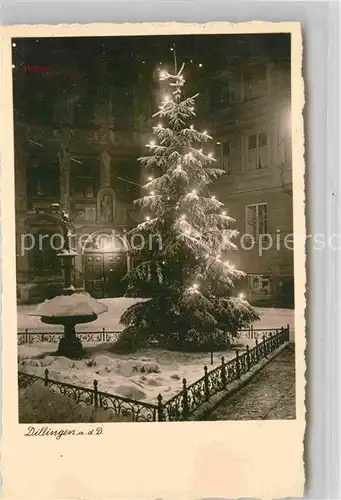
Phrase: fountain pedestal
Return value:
(70, 310)
(70, 346)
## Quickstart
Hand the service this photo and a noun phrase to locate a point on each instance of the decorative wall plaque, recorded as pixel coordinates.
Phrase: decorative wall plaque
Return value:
(90, 214)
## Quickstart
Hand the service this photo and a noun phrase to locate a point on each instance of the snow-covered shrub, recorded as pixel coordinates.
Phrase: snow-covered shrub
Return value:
(147, 367)
(129, 367)
(195, 341)
(90, 362)
(38, 404)
(234, 314)
(131, 340)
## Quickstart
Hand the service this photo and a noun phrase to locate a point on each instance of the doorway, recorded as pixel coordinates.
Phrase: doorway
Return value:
(103, 273)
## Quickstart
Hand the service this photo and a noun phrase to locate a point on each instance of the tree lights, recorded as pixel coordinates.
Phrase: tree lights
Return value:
(194, 234)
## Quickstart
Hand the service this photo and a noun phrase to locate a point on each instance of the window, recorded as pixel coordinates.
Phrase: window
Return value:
(259, 284)
(123, 106)
(223, 91)
(83, 182)
(125, 180)
(83, 111)
(255, 82)
(43, 257)
(225, 157)
(257, 151)
(233, 85)
(83, 188)
(285, 149)
(256, 219)
(63, 109)
(216, 94)
(39, 110)
(43, 182)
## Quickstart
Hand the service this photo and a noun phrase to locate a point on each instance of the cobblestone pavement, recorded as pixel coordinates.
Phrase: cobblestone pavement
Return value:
(270, 395)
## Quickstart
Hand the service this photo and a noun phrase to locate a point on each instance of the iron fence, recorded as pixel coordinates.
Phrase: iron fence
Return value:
(184, 404)
(103, 335)
(136, 411)
(181, 406)
(257, 333)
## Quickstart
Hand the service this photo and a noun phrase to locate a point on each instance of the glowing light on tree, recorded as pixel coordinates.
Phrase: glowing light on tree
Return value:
(193, 233)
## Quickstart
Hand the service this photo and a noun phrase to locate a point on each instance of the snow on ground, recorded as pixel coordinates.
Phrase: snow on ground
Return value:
(270, 317)
(141, 376)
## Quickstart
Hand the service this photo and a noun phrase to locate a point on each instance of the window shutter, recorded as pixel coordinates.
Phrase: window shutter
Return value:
(251, 219)
(236, 155)
(226, 156)
(263, 150)
(252, 152)
(263, 219)
(235, 86)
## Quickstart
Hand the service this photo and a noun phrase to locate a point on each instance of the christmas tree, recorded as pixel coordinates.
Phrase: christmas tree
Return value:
(185, 276)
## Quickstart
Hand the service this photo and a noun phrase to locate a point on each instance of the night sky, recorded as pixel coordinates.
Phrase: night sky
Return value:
(141, 55)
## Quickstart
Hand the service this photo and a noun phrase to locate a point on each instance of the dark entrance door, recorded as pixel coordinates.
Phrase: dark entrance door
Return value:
(103, 274)
(94, 275)
(115, 268)
(287, 293)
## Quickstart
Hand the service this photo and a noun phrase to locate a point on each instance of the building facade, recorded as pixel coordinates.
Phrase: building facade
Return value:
(80, 151)
(250, 112)
(79, 148)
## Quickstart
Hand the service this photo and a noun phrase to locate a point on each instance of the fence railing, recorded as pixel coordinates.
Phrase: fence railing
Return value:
(180, 407)
(104, 335)
(257, 333)
(184, 404)
(137, 411)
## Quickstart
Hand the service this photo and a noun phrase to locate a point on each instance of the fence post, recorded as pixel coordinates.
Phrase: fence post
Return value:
(223, 372)
(280, 337)
(211, 357)
(270, 342)
(207, 389)
(288, 332)
(46, 378)
(248, 358)
(184, 400)
(257, 351)
(96, 393)
(26, 336)
(252, 333)
(237, 364)
(264, 344)
(160, 415)
(103, 335)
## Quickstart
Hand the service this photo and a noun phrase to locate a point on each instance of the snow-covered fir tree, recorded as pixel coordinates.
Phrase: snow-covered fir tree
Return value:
(182, 270)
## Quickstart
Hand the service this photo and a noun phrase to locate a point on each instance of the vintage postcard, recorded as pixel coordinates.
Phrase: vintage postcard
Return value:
(153, 261)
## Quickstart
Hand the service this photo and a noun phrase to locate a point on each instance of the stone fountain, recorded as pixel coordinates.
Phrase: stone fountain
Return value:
(71, 308)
